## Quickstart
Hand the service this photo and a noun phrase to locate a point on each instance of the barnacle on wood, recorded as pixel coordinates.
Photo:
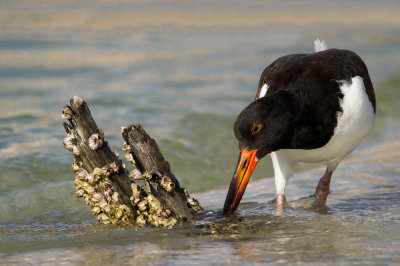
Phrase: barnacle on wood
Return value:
(81, 173)
(67, 142)
(169, 222)
(140, 220)
(97, 197)
(96, 210)
(194, 203)
(147, 175)
(106, 171)
(115, 167)
(119, 213)
(115, 196)
(78, 183)
(136, 174)
(89, 189)
(154, 204)
(129, 157)
(87, 200)
(76, 151)
(66, 112)
(103, 204)
(90, 178)
(167, 184)
(95, 141)
(100, 189)
(75, 167)
(126, 147)
(108, 192)
(79, 193)
(103, 218)
(166, 212)
(142, 205)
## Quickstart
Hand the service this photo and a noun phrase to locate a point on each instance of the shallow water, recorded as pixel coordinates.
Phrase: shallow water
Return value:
(185, 71)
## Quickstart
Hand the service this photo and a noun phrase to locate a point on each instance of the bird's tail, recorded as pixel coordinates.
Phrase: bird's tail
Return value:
(320, 45)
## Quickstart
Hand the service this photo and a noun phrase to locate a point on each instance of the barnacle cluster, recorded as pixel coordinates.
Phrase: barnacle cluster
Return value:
(149, 209)
(98, 192)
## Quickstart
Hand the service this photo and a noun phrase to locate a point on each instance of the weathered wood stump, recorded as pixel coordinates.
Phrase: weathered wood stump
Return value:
(103, 181)
(162, 182)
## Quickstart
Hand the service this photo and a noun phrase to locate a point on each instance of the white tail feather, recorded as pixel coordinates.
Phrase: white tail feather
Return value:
(320, 45)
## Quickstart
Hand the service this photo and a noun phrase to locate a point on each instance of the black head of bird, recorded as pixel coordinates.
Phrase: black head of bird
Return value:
(261, 128)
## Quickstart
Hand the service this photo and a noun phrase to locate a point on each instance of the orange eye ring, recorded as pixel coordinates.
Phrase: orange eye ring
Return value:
(256, 128)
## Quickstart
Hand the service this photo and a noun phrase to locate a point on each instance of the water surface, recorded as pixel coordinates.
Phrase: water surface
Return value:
(184, 71)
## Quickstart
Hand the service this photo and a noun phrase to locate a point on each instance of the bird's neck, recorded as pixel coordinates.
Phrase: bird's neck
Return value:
(283, 110)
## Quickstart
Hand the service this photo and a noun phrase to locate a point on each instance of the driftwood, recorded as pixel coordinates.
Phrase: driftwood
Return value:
(162, 181)
(105, 184)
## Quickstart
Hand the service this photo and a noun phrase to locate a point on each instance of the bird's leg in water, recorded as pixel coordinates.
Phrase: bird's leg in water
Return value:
(280, 203)
(322, 191)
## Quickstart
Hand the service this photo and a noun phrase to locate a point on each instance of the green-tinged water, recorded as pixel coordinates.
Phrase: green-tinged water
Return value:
(184, 71)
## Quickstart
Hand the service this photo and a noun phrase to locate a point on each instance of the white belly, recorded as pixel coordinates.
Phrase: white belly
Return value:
(354, 123)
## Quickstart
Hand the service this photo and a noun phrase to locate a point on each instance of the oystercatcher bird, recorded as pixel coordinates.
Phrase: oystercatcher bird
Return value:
(309, 108)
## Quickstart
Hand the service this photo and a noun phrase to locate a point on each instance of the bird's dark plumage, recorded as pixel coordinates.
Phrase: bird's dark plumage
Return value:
(309, 108)
(314, 81)
(305, 71)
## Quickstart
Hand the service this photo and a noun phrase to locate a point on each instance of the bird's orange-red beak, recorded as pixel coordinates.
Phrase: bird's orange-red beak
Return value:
(245, 166)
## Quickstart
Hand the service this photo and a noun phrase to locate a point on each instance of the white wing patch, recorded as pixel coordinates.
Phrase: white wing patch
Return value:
(320, 45)
(358, 116)
(353, 124)
(263, 90)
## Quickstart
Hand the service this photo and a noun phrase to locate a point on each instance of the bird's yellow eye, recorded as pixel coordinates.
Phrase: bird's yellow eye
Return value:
(256, 128)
